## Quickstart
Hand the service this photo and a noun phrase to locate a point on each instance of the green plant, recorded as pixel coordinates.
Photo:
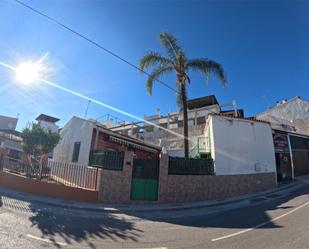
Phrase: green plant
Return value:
(177, 62)
(38, 141)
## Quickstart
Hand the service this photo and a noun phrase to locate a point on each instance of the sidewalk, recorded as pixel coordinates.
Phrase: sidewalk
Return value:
(122, 208)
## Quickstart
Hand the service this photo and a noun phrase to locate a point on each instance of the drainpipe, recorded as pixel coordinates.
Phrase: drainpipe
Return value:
(96, 139)
(291, 156)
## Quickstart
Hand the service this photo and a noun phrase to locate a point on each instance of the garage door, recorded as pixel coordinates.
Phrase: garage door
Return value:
(300, 150)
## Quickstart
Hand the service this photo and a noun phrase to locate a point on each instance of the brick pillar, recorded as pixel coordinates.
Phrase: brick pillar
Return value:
(115, 185)
(127, 176)
(99, 177)
(163, 178)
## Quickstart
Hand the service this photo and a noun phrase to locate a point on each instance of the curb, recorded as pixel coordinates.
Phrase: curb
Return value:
(179, 207)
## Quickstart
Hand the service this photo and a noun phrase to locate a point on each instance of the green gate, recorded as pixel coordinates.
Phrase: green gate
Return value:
(145, 181)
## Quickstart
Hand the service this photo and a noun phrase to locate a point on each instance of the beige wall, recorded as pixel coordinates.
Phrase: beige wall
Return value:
(184, 188)
(115, 185)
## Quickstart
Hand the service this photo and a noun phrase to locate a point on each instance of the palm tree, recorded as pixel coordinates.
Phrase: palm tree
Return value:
(177, 62)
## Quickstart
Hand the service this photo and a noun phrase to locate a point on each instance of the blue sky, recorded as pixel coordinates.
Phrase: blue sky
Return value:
(262, 45)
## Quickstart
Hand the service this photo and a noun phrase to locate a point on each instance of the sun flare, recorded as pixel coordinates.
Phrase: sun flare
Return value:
(28, 72)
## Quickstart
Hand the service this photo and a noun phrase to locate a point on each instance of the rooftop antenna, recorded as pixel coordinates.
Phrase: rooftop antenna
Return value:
(86, 112)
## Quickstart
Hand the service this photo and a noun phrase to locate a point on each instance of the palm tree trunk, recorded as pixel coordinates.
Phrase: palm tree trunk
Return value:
(185, 119)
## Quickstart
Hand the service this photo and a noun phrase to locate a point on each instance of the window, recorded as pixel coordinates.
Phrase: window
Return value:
(76, 152)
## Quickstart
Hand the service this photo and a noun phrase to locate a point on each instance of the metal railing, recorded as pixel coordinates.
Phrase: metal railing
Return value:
(69, 174)
(73, 175)
(112, 160)
(190, 166)
(20, 167)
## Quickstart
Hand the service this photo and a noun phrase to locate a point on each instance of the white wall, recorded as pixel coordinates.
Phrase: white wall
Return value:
(48, 126)
(8, 123)
(241, 146)
(76, 130)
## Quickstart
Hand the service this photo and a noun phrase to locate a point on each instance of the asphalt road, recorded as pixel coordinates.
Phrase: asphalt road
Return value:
(272, 222)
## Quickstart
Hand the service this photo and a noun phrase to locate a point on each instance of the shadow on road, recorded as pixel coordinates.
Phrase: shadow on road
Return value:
(239, 218)
(80, 229)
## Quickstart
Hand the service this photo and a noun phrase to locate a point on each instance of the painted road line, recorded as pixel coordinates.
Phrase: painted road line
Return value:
(46, 240)
(260, 225)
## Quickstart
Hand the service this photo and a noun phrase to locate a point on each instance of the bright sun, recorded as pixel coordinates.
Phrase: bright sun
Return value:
(28, 72)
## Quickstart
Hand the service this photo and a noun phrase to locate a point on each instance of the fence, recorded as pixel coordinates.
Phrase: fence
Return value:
(20, 167)
(190, 166)
(112, 160)
(73, 175)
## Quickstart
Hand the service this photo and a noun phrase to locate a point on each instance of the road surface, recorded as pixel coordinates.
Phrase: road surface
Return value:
(276, 221)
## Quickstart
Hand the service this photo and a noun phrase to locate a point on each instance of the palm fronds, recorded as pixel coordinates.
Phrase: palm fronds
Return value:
(156, 73)
(207, 66)
(153, 59)
(171, 45)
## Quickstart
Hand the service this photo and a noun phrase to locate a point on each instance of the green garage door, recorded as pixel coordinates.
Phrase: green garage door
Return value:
(145, 181)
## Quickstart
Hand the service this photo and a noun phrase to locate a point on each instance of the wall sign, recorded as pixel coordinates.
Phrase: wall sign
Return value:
(281, 143)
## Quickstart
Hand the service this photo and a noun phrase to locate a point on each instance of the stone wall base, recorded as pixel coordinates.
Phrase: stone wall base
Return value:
(115, 186)
(176, 188)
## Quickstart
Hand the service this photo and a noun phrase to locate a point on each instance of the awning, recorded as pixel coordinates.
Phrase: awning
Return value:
(127, 143)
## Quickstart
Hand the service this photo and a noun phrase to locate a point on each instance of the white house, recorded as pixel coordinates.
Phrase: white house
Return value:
(239, 145)
(48, 122)
(198, 109)
(80, 138)
(75, 131)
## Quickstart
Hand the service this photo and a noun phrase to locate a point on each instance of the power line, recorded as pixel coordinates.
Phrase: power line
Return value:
(51, 19)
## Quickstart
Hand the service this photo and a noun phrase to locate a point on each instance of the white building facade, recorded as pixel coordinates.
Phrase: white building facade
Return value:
(240, 146)
(76, 132)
